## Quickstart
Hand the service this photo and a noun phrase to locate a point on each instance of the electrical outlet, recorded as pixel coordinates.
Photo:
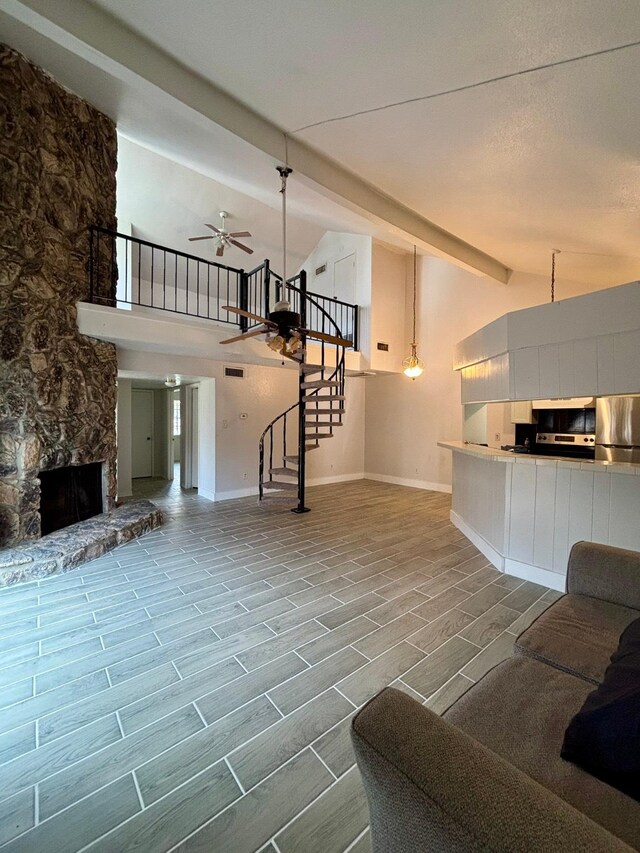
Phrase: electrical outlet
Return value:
(497, 436)
(244, 475)
(225, 424)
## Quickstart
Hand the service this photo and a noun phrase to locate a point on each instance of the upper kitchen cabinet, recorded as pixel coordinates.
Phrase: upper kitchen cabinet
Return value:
(585, 346)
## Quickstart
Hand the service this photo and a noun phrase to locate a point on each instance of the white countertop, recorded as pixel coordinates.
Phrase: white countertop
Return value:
(495, 455)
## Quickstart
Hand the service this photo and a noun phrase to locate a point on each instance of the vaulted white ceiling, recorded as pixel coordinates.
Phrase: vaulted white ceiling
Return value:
(516, 167)
(545, 160)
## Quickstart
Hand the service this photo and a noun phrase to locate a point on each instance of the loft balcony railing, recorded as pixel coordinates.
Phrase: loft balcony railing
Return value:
(128, 271)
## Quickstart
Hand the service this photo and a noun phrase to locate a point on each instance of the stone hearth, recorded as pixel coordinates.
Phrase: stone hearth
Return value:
(65, 549)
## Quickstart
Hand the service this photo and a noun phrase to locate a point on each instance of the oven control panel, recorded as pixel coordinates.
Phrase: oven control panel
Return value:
(573, 439)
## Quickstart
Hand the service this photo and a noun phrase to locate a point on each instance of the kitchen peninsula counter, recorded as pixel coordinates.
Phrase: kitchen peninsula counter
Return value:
(538, 459)
(525, 511)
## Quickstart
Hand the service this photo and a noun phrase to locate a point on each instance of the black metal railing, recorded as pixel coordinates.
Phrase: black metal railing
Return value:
(126, 270)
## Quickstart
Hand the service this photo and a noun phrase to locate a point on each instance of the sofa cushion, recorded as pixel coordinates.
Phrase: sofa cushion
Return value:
(577, 634)
(520, 710)
(604, 736)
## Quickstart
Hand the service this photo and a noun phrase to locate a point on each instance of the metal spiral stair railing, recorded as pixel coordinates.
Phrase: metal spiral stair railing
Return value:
(310, 410)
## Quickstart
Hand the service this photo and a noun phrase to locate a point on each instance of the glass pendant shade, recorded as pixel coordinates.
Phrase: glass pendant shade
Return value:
(413, 366)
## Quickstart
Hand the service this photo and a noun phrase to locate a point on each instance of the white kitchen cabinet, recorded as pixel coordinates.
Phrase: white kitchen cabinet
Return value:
(526, 367)
(566, 370)
(549, 370)
(586, 345)
(522, 412)
(585, 366)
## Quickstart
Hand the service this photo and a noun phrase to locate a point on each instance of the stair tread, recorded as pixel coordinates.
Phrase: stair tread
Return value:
(311, 368)
(314, 436)
(311, 398)
(273, 485)
(313, 412)
(296, 459)
(320, 383)
(309, 423)
(289, 472)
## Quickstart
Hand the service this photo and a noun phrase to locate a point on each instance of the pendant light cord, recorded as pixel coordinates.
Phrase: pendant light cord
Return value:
(284, 172)
(414, 344)
(553, 273)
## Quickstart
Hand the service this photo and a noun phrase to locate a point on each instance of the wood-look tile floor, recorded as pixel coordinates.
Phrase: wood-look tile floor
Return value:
(193, 689)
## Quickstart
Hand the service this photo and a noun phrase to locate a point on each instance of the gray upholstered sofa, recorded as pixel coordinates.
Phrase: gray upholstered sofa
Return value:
(488, 774)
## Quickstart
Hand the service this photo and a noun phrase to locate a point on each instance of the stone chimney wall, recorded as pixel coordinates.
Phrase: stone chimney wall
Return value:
(58, 158)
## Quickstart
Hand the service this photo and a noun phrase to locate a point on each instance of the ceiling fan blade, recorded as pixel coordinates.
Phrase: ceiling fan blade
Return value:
(240, 234)
(208, 237)
(248, 314)
(220, 250)
(330, 339)
(241, 246)
(213, 228)
(252, 334)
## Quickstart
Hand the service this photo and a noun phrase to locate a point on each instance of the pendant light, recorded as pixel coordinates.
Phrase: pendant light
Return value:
(413, 366)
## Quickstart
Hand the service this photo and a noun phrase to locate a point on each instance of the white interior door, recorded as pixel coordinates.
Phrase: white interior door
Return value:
(194, 438)
(344, 279)
(141, 433)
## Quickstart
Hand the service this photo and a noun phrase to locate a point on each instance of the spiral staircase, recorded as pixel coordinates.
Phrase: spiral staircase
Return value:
(319, 410)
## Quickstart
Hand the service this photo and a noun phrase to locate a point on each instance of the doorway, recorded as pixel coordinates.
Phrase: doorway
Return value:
(176, 432)
(141, 433)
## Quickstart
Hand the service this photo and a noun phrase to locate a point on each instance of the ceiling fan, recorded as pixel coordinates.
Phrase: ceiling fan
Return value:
(225, 238)
(283, 330)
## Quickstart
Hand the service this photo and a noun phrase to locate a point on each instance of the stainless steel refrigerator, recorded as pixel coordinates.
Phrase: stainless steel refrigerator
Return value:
(618, 429)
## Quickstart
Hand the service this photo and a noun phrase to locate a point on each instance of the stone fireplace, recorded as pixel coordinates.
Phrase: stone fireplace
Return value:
(57, 387)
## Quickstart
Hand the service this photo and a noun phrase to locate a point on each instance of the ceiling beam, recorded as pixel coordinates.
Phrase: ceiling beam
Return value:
(102, 40)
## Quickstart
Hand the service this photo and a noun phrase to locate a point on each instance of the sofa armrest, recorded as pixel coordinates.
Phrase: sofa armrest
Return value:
(604, 572)
(431, 787)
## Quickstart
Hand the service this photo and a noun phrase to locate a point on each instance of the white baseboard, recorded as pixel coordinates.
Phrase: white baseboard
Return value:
(206, 493)
(534, 573)
(236, 493)
(495, 557)
(413, 484)
(504, 564)
(337, 478)
(253, 490)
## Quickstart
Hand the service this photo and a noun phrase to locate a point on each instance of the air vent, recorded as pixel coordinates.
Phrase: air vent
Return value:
(320, 270)
(236, 372)
(383, 347)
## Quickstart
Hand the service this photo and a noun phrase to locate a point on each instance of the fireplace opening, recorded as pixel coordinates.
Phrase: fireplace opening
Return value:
(69, 495)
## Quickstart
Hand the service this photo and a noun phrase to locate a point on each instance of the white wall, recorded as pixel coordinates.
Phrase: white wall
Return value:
(404, 418)
(261, 395)
(207, 438)
(389, 278)
(342, 457)
(332, 247)
(123, 427)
